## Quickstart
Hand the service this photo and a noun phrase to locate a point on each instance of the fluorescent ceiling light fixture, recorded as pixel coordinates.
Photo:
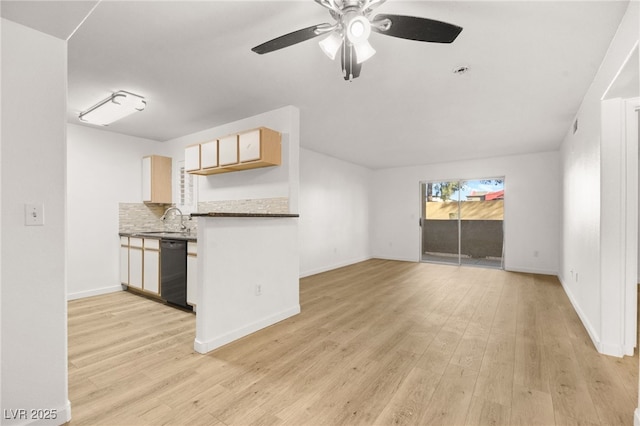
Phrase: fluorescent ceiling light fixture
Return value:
(115, 107)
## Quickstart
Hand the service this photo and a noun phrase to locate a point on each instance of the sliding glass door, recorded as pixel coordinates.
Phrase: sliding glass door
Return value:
(462, 222)
(440, 225)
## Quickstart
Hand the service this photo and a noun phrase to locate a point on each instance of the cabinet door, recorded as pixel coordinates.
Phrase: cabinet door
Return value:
(228, 150)
(192, 279)
(151, 271)
(135, 267)
(249, 146)
(209, 154)
(192, 158)
(156, 179)
(146, 179)
(124, 260)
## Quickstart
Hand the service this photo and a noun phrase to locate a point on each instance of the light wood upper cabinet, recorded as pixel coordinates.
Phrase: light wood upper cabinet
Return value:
(255, 148)
(228, 150)
(259, 148)
(156, 179)
(249, 146)
(208, 155)
(192, 158)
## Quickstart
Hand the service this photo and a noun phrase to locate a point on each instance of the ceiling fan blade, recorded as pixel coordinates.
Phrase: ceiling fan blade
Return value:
(350, 66)
(414, 28)
(292, 38)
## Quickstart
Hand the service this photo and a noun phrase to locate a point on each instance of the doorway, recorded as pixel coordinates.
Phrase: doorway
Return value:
(462, 222)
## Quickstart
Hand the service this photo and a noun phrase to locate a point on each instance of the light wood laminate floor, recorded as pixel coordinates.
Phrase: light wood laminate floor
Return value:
(379, 342)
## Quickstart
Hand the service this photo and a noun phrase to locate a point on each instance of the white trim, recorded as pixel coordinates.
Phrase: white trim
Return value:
(63, 416)
(593, 334)
(611, 350)
(636, 417)
(207, 346)
(527, 270)
(630, 291)
(624, 64)
(613, 220)
(95, 292)
(399, 259)
(334, 266)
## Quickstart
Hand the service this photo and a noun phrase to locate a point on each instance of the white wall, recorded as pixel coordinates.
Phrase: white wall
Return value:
(234, 256)
(103, 170)
(532, 207)
(334, 213)
(34, 321)
(582, 221)
(268, 182)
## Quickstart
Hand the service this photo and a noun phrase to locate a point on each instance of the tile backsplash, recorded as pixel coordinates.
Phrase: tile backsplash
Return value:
(261, 205)
(139, 217)
(136, 217)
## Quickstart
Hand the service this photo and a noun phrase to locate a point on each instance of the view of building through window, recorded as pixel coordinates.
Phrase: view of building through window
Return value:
(462, 222)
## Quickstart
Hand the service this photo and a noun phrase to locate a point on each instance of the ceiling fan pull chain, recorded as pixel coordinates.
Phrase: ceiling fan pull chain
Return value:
(351, 63)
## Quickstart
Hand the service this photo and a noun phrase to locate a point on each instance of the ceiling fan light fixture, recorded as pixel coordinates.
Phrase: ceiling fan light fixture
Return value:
(331, 44)
(364, 51)
(358, 29)
(119, 105)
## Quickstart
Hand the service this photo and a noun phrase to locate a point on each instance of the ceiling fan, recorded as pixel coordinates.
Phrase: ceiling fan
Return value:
(350, 33)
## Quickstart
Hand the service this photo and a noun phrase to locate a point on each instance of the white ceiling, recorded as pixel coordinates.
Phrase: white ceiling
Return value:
(530, 65)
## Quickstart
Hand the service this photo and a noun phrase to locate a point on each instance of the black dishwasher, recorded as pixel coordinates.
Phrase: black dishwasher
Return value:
(173, 272)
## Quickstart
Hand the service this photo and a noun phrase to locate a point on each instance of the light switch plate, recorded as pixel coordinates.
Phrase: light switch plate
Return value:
(34, 214)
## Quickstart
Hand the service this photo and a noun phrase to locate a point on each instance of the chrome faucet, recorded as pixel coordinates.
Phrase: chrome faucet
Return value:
(164, 216)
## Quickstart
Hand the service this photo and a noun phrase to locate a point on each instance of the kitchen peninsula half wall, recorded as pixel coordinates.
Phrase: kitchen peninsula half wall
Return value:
(248, 274)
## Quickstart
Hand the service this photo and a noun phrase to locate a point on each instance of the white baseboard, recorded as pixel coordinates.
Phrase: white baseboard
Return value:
(94, 292)
(593, 334)
(527, 270)
(207, 346)
(62, 416)
(612, 350)
(636, 417)
(399, 259)
(604, 348)
(333, 266)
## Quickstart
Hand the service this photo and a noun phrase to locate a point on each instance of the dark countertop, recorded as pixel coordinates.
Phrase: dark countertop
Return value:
(218, 214)
(159, 235)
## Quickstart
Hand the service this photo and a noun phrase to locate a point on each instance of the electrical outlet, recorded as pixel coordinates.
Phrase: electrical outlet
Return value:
(34, 214)
(258, 289)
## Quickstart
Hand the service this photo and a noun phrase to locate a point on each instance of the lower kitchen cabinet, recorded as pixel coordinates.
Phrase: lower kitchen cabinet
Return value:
(140, 267)
(192, 274)
(124, 260)
(151, 266)
(135, 263)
